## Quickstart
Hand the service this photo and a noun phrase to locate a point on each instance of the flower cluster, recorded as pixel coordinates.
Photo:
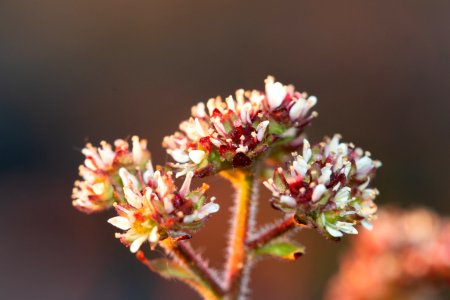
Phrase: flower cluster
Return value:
(160, 210)
(101, 184)
(233, 133)
(327, 187)
(406, 256)
(148, 203)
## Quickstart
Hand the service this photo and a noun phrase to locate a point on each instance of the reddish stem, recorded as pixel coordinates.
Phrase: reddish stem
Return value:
(271, 233)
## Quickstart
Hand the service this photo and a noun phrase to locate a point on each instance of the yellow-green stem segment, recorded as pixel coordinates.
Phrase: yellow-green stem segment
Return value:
(242, 182)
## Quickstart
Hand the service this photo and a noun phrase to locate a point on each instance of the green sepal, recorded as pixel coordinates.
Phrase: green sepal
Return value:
(280, 181)
(276, 128)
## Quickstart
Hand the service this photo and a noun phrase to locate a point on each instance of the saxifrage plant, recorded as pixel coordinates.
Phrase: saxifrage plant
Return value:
(322, 186)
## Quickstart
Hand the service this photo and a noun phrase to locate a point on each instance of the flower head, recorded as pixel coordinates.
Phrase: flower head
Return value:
(235, 132)
(160, 210)
(406, 256)
(101, 183)
(327, 187)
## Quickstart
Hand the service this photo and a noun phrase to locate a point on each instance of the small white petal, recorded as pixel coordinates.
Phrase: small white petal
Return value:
(300, 166)
(168, 206)
(199, 128)
(133, 198)
(162, 186)
(334, 232)
(190, 218)
(296, 110)
(179, 156)
(325, 174)
(307, 153)
(336, 187)
(211, 104)
(184, 190)
(149, 172)
(333, 145)
(346, 227)
(154, 235)
(138, 149)
(230, 103)
(199, 110)
(312, 100)
(276, 93)
(347, 168)
(363, 166)
(261, 130)
(318, 192)
(128, 180)
(208, 209)
(288, 200)
(215, 142)
(137, 243)
(120, 222)
(197, 156)
(271, 187)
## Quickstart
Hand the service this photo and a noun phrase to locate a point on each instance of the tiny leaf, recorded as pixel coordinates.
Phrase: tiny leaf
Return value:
(285, 250)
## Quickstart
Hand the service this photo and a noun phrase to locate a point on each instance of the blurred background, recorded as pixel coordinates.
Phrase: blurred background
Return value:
(78, 71)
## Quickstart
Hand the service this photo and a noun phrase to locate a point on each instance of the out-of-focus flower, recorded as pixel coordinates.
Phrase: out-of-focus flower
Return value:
(326, 187)
(160, 210)
(101, 184)
(406, 256)
(235, 132)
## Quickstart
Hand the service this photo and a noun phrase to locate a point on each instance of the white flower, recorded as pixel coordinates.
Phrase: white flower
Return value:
(261, 130)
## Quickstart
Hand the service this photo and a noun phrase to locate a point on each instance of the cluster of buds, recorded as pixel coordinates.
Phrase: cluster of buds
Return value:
(148, 203)
(160, 210)
(326, 187)
(406, 256)
(101, 185)
(234, 133)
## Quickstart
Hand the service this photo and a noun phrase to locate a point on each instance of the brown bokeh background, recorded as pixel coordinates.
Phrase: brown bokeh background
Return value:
(77, 71)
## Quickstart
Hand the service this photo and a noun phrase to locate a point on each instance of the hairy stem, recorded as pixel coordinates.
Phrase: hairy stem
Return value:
(267, 235)
(182, 252)
(236, 260)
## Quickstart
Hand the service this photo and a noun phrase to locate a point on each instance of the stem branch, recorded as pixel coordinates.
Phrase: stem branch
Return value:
(236, 260)
(264, 237)
(183, 253)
